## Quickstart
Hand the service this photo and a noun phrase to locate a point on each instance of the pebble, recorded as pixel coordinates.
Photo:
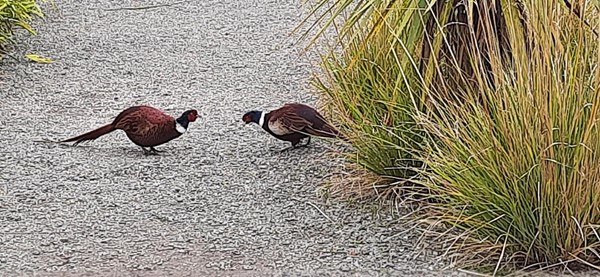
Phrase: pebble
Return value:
(344, 268)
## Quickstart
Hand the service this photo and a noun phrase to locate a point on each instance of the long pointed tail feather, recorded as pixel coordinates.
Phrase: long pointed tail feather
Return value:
(328, 131)
(332, 130)
(91, 135)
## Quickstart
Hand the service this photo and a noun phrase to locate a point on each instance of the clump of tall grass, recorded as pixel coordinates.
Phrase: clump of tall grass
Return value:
(516, 164)
(366, 87)
(16, 13)
(500, 102)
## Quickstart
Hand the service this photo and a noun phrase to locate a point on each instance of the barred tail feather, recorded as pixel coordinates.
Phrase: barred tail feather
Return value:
(91, 135)
(341, 136)
(329, 131)
(336, 133)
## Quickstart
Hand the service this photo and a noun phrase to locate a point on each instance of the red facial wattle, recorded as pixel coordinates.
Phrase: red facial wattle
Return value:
(192, 116)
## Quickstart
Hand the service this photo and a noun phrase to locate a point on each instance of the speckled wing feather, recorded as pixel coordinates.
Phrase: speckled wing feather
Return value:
(287, 121)
(316, 125)
(322, 128)
(141, 120)
(157, 117)
(146, 126)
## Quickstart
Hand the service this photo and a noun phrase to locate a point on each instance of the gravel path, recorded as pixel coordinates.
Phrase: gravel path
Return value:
(221, 200)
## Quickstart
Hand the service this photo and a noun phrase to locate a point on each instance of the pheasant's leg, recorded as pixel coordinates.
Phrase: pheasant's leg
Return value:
(155, 151)
(286, 149)
(307, 141)
(149, 152)
(298, 145)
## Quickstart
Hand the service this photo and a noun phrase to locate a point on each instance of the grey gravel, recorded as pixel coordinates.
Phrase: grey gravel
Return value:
(221, 201)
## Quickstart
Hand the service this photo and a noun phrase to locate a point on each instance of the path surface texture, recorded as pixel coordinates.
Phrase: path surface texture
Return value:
(221, 200)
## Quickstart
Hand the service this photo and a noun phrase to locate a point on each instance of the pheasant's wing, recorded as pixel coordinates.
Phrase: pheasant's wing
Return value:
(316, 123)
(322, 128)
(141, 120)
(288, 122)
(156, 116)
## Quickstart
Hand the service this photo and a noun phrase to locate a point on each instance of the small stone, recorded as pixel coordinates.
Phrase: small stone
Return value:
(344, 268)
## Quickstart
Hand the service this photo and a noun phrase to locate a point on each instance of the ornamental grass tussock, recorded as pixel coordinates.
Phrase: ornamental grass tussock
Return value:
(17, 14)
(489, 109)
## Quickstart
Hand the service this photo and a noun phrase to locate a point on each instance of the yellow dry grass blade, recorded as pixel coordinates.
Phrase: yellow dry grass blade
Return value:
(39, 59)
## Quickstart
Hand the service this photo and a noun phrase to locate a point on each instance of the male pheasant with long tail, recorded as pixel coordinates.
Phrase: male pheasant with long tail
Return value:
(145, 126)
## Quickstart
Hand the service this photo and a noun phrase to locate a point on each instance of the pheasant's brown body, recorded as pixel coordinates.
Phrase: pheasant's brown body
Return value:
(293, 122)
(144, 125)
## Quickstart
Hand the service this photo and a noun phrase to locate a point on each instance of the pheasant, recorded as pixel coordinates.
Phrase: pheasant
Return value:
(293, 122)
(145, 126)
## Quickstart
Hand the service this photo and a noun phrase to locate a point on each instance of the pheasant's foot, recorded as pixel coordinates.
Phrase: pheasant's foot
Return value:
(149, 152)
(155, 150)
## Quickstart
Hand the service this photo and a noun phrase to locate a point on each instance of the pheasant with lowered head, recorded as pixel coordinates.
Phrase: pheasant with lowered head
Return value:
(145, 126)
(293, 122)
